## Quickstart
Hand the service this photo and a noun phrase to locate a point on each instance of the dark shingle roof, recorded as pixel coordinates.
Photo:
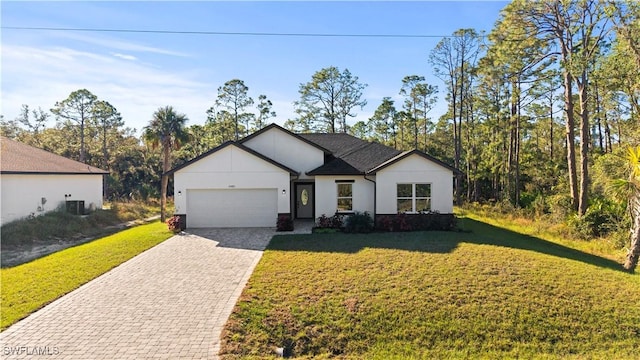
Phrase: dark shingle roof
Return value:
(19, 158)
(351, 156)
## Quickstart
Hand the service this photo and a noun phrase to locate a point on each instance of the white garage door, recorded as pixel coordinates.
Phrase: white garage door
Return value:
(232, 208)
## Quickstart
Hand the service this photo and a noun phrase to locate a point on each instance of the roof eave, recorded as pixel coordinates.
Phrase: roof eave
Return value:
(239, 146)
(9, 172)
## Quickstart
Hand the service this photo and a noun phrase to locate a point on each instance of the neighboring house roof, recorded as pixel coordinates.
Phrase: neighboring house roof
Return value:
(20, 158)
(409, 153)
(240, 146)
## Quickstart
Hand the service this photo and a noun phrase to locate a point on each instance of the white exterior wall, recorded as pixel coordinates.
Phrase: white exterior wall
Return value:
(231, 168)
(287, 150)
(22, 193)
(327, 194)
(414, 169)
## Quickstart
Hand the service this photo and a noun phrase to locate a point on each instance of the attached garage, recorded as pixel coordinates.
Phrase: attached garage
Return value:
(232, 207)
(232, 186)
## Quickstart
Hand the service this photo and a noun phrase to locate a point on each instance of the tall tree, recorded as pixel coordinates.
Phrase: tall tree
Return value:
(167, 130)
(329, 98)
(633, 185)
(578, 28)
(383, 122)
(419, 100)
(521, 58)
(264, 112)
(452, 59)
(233, 97)
(108, 120)
(78, 108)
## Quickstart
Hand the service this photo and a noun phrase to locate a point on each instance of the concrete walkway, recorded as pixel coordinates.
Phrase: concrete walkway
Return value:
(169, 302)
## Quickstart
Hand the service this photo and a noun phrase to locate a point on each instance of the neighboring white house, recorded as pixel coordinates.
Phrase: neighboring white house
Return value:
(276, 172)
(34, 181)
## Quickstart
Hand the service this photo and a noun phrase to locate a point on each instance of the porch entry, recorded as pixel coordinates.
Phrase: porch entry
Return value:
(304, 200)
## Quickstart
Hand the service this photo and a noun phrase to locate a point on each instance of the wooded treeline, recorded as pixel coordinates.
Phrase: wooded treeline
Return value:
(540, 112)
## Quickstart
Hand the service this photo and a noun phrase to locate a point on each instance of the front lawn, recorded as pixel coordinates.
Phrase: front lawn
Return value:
(30, 286)
(487, 293)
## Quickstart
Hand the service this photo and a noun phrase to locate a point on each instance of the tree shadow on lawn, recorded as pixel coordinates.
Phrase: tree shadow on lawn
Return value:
(475, 232)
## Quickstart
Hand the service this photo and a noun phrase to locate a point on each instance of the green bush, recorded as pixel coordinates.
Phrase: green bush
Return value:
(359, 223)
(602, 217)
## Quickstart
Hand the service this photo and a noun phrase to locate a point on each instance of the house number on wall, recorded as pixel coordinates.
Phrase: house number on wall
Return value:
(304, 197)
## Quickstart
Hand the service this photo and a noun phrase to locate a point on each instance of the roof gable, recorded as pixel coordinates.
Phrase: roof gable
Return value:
(20, 158)
(239, 146)
(280, 128)
(407, 154)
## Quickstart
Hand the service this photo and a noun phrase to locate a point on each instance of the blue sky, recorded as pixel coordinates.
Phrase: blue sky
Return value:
(139, 72)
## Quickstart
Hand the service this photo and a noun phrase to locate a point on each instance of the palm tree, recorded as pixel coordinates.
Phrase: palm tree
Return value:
(166, 129)
(633, 184)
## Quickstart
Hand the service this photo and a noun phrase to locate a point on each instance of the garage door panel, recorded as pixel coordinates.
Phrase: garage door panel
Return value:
(232, 207)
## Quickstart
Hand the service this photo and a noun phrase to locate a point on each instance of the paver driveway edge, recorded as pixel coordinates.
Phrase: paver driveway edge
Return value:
(169, 302)
(231, 303)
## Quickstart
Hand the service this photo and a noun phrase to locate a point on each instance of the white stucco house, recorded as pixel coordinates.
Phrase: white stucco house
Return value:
(249, 183)
(34, 181)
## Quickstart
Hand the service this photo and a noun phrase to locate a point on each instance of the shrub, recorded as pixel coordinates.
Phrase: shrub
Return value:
(334, 222)
(601, 218)
(175, 224)
(359, 223)
(416, 222)
(284, 223)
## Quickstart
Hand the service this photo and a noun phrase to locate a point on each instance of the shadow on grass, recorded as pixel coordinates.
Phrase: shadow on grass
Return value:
(476, 232)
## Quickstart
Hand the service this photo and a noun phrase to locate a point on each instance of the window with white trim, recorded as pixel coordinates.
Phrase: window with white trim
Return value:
(345, 196)
(413, 198)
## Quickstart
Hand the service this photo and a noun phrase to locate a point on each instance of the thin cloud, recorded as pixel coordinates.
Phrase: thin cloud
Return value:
(125, 56)
(40, 76)
(116, 44)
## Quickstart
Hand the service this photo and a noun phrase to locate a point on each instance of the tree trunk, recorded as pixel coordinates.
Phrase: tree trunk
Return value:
(166, 148)
(570, 139)
(634, 250)
(584, 146)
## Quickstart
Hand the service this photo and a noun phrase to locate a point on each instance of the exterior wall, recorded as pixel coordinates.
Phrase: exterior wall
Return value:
(287, 150)
(231, 168)
(414, 169)
(22, 194)
(327, 194)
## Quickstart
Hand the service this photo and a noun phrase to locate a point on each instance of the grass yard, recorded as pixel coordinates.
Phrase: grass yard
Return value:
(30, 286)
(485, 293)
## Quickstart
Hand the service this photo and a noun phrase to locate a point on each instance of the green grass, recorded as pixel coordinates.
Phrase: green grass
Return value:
(55, 225)
(30, 286)
(483, 293)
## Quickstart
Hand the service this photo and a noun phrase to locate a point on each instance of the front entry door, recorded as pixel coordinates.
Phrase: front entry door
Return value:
(304, 201)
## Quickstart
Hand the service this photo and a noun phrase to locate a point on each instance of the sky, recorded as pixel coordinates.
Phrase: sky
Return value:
(139, 72)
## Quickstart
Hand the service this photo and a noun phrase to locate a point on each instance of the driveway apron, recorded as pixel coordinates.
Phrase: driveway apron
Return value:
(169, 302)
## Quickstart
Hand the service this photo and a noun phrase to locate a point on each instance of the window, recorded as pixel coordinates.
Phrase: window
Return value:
(345, 197)
(413, 198)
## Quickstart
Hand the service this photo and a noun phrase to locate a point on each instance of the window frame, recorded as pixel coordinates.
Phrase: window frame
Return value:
(413, 197)
(338, 197)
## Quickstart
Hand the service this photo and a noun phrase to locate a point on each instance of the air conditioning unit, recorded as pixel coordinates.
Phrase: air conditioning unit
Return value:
(75, 207)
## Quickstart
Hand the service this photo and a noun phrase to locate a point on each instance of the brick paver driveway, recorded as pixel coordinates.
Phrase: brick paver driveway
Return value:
(169, 302)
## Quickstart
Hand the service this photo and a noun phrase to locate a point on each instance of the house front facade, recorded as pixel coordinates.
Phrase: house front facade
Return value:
(249, 183)
(34, 181)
